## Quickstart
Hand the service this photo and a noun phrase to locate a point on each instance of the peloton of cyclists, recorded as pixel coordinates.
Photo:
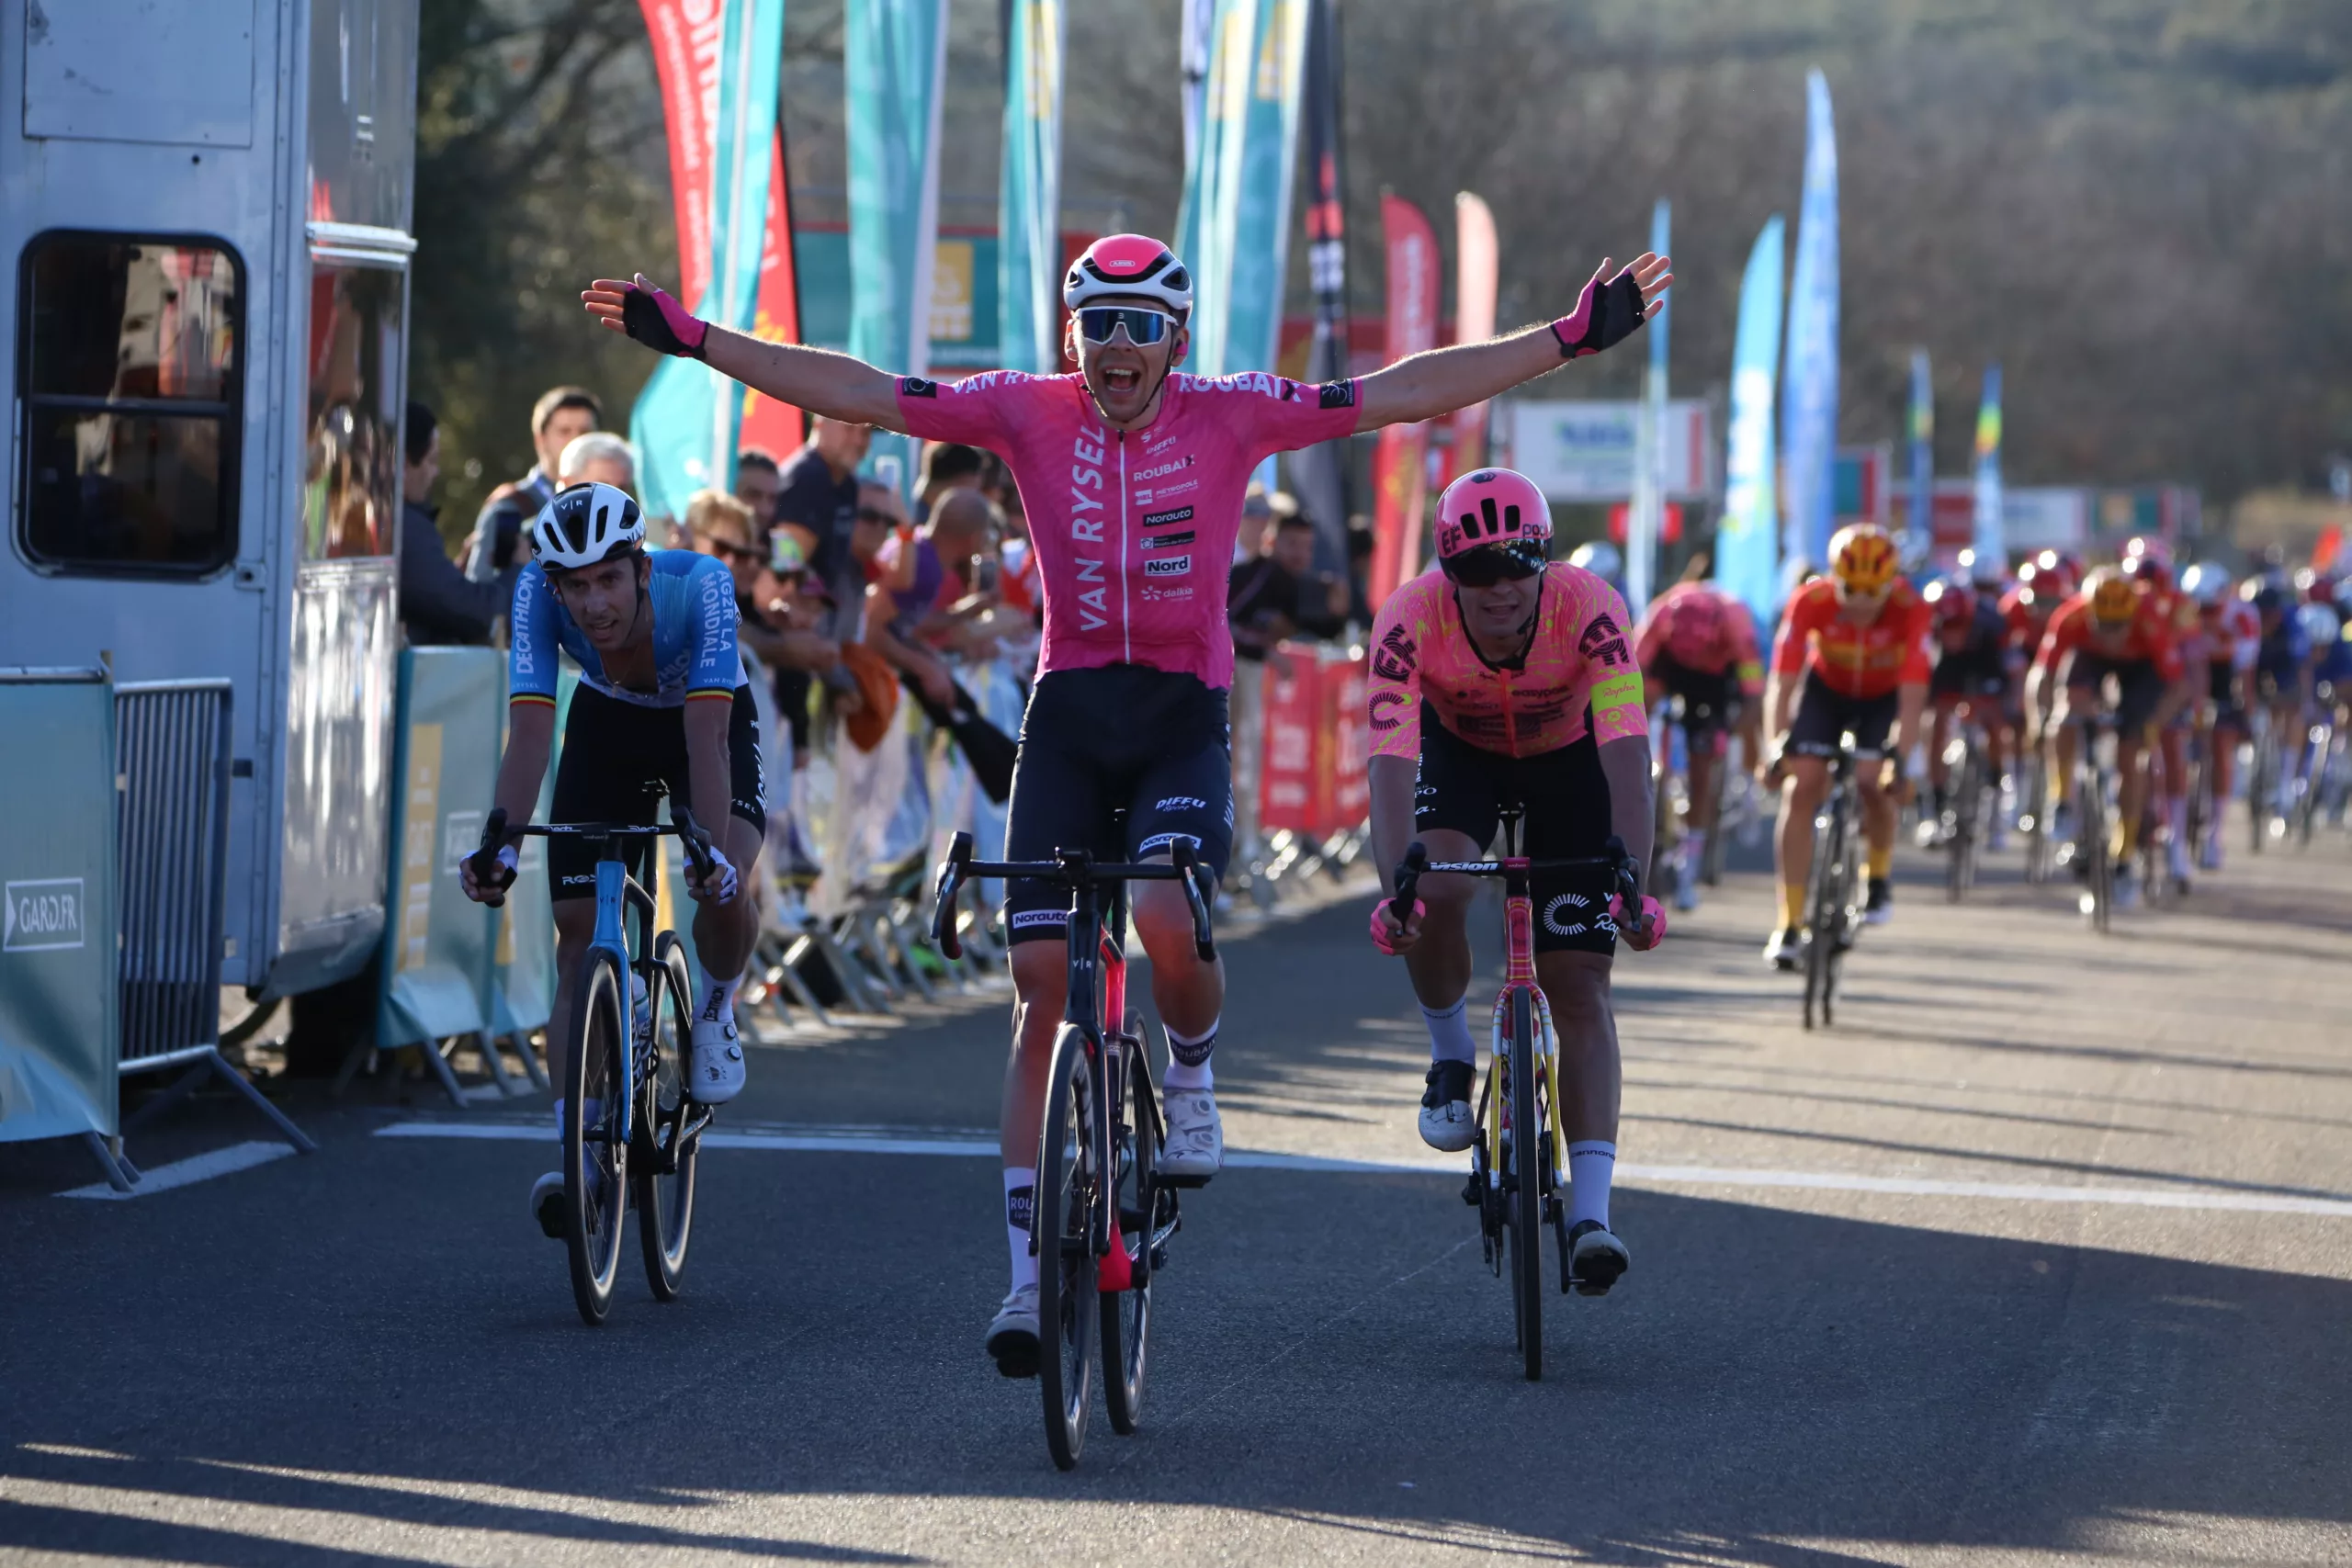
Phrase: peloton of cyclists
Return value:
(1976, 671)
(2228, 639)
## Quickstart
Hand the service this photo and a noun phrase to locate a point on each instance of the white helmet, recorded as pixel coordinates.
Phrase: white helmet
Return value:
(1600, 557)
(1129, 267)
(585, 525)
(2208, 582)
(2320, 624)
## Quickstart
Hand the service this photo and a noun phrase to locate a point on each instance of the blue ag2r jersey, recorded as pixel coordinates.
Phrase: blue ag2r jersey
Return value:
(692, 607)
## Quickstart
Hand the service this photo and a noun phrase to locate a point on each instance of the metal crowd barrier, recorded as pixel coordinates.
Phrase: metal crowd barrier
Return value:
(172, 755)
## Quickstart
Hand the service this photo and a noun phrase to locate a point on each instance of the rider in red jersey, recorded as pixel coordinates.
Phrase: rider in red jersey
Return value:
(2220, 657)
(2148, 563)
(1131, 476)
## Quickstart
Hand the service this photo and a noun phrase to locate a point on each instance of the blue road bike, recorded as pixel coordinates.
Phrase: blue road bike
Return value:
(631, 1130)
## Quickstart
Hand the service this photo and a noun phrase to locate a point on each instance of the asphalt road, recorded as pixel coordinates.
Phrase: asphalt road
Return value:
(2044, 1252)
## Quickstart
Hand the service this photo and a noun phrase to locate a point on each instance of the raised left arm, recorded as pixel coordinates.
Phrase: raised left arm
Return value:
(1443, 379)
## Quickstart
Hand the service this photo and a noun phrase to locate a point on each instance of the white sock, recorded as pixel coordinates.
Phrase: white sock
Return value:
(1188, 1060)
(717, 1004)
(1591, 1164)
(1450, 1033)
(1020, 1193)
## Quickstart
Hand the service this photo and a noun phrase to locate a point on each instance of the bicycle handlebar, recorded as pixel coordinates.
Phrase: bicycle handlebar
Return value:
(1070, 868)
(1626, 872)
(495, 833)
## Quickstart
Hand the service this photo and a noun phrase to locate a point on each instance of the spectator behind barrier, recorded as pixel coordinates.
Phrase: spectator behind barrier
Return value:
(949, 466)
(758, 482)
(773, 624)
(816, 503)
(438, 603)
(562, 415)
(1274, 595)
(597, 458)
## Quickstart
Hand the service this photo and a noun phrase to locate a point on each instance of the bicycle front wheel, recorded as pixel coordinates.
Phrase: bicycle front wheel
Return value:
(1070, 1192)
(662, 1164)
(595, 1155)
(1825, 893)
(1127, 1314)
(1528, 1134)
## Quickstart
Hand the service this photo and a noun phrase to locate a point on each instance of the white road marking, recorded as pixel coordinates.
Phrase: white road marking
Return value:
(185, 1172)
(976, 1145)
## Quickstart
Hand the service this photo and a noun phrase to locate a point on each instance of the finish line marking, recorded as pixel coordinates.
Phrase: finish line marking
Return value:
(186, 1172)
(883, 1141)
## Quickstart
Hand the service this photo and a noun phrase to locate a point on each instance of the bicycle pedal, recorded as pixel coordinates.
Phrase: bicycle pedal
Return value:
(1159, 1259)
(1470, 1192)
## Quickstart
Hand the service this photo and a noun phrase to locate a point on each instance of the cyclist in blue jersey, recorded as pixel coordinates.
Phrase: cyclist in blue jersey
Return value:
(662, 707)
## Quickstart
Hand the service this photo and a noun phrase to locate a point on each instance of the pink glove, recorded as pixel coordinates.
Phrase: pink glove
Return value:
(660, 323)
(1380, 935)
(1653, 930)
(1606, 314)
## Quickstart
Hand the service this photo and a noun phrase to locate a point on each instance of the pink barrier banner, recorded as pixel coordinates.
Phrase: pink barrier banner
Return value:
(1316, 776)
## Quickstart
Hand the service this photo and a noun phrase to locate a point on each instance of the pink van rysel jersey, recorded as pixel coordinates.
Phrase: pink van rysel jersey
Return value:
(1134, 529)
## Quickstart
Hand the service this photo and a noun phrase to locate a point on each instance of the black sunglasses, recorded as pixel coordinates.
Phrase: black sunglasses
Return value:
(1490, 564)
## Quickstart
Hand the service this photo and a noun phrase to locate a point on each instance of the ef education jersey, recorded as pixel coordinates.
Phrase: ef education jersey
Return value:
(692, 601)
(1579, 672)
(1133, 529)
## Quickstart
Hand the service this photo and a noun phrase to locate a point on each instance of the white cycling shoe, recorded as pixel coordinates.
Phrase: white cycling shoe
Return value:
(718, 1061)
(1195, 1148)
(1597, 1259)
(1448, 1122)
(1012, 1334)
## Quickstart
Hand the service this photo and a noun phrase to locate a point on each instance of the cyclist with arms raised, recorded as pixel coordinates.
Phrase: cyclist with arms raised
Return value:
(1499, 680)
(1131, 475)
(1697, 644)
(661, 702)
(1855, 644)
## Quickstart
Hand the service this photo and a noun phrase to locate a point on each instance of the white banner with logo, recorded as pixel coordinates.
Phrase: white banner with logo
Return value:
(1586, 451)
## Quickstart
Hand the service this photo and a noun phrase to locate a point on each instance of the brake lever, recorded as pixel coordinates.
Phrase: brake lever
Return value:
(1408, 881)
(944, 935)
(1203, 943)
(691, 838)
(1629, 882)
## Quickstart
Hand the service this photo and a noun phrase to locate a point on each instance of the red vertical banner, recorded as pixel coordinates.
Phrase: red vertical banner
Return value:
(685, 38)
(1401, 458)
(1477, 275)
(768, 425)
(1293, 726)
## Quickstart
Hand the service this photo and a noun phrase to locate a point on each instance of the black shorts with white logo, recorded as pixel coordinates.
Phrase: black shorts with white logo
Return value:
(1464, 788)
(2140, 686)
(620, 758)
(1095, 742)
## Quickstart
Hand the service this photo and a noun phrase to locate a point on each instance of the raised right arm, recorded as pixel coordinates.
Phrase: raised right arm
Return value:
(815, 380)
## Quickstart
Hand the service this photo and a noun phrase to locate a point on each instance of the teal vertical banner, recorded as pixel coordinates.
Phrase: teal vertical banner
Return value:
(1211, 208)
(523, 958)
(1029, 251)
(895, 65)
(1809, 406)
(1920, 533)
(437, 946)
(1991, 544)
(1257, 261)
(684, 422)
(60, 965)
(1748, 540)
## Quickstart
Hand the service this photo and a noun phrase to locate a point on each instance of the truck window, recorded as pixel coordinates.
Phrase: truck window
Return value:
(130, 375)
(351, 482)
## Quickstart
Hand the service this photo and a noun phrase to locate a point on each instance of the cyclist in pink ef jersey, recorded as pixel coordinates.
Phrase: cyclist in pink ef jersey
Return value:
(1132, 476)
(1500, 679)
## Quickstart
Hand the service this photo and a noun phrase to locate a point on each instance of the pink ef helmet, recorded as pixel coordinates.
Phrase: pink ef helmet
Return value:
(1492, 506)
(1129, 267)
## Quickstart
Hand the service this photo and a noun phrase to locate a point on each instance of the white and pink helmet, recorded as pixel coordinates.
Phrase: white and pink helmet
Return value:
(1129, 267)
(1492, 506)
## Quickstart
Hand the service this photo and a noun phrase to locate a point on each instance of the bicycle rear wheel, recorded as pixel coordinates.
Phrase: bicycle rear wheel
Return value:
(1528, 1132)
(662, 1164)
(595, 1158)
(1069, 1157)
(2090, 791)
(2262, 788)
(1127, 1314)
